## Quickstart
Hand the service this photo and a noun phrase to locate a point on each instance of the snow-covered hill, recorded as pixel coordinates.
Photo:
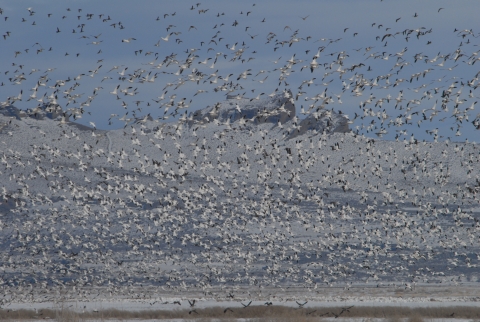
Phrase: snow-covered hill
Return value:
(236, 197)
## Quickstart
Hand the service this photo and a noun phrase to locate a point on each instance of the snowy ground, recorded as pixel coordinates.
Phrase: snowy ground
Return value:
(132, 216)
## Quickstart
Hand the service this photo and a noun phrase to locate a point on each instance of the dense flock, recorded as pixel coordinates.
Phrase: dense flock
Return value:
(217, 170)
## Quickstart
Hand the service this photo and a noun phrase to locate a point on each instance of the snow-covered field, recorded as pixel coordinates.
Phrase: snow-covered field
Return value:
(152, 212)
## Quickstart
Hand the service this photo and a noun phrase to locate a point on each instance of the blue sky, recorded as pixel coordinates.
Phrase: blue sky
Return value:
(89, 38)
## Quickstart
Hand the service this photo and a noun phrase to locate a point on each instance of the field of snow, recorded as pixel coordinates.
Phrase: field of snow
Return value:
(234, 210)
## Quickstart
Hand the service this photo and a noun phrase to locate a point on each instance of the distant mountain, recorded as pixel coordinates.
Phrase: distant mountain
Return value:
(278, 110)
(51, 111)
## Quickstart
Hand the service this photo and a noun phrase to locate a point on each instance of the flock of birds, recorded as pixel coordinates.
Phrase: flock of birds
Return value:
(223, 204)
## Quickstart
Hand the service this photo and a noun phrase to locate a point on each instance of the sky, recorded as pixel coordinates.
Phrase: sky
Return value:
(397, 68)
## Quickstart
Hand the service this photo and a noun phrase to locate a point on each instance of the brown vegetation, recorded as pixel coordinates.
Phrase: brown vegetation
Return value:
(259, 313)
